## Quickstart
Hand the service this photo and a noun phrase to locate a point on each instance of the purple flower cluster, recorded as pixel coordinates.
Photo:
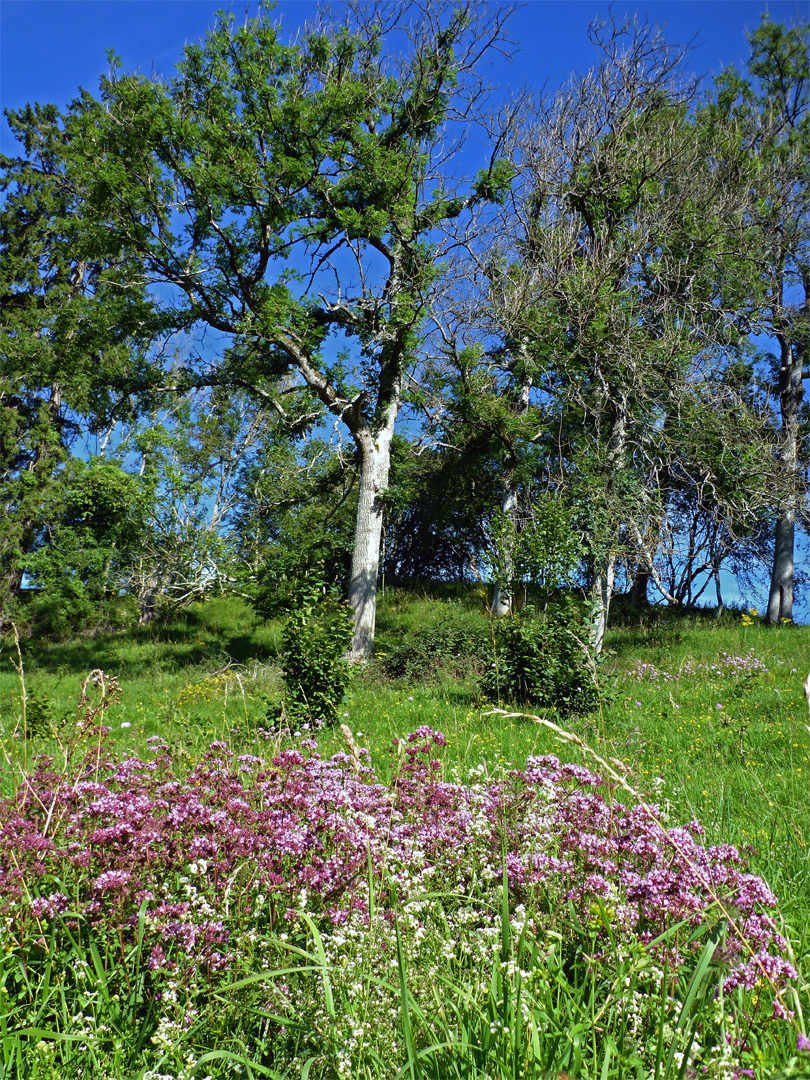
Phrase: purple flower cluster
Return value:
(728, 664)
(241, 838)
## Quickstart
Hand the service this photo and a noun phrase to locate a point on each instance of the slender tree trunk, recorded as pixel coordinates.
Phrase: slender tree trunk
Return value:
(23, 533)
(605, 562)
(375, 462)
(10, 588)
(780, 598)
(640, 588)
(366, 554)
(718, 589)
(791, 394)
(605, 572)
(502, 597)
(147, 598)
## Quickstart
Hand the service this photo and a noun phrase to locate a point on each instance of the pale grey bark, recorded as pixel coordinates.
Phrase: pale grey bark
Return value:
(373, 439)
(502, 597)
(148, 597)
(602, 594)
(375, 463)
(605, 561)
(791, 396)
(780, 596)
(779, 66)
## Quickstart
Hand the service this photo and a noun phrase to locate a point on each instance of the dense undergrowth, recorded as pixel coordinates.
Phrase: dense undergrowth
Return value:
(374, 903)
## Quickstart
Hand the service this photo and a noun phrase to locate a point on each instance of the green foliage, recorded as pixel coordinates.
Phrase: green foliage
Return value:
(296, 512)
(314, 642)
(73, 341)
(348, 136)
(436, 507)
(82, 562)
(193, 458)
(541, 661)
(541, 553)
(453, 647)
(495, 183)
(57, 612)
(40, 714)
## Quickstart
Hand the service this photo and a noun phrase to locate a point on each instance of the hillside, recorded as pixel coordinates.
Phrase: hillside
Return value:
(704, 718)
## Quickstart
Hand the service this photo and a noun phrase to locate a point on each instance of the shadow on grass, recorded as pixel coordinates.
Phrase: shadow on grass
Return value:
(210, 635)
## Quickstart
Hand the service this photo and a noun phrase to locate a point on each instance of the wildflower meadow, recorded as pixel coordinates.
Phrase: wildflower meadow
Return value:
(437, 886)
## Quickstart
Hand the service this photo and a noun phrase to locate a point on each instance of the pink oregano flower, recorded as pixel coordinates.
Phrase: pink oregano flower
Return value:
(240, 834)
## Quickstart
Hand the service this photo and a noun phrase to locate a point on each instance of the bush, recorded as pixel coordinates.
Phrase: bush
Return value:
(64, 610)
(540, 660)
(282, 583)
(314, 641)
(444, 646)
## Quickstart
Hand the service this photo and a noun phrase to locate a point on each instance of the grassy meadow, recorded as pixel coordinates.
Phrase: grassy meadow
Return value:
(435, 950)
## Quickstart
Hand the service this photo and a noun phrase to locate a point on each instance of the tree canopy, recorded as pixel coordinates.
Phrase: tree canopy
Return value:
(202, 274)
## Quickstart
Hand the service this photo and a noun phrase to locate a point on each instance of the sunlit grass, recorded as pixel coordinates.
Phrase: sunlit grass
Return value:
(724, 743)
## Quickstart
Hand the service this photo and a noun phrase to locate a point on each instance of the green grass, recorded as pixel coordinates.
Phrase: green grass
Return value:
(193, 679)
(742, 770)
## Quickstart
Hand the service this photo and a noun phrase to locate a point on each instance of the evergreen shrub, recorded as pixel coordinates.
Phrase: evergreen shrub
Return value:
(540, 660)
(443, 647)
(314, 643)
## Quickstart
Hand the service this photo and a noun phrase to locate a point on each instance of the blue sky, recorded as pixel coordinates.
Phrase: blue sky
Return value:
(49, 48)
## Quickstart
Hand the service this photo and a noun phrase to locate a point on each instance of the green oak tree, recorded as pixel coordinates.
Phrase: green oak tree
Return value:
(72, 344)
(81, 560)
(291, 198)
(770, 113)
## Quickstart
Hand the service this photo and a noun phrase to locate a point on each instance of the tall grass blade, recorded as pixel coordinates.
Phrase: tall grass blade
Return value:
(237, 1059)
(329, 1001)
(413, 1062)
(696, 985)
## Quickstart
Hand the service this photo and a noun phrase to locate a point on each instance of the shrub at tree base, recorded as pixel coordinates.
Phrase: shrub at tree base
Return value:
(313, 648)
(314, 643)
(299, 909)
(437, 650)
(541, 661)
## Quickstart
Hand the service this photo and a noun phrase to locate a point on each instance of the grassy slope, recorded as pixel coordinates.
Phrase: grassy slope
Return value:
(743, 770)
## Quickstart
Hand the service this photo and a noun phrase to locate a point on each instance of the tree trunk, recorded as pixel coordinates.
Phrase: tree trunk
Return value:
(375, 462)
(605, 562)
(718, 589)
(780, 599)
(640, 588)
(791, 394)
(147, 597)
(373, 441)
(502, 597)
(604, 572)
